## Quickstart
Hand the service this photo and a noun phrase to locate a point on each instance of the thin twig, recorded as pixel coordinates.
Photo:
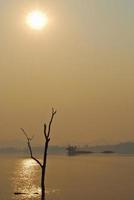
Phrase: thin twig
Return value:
(30, 148)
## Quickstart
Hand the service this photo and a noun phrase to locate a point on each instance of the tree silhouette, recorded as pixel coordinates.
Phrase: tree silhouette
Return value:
(47, 132)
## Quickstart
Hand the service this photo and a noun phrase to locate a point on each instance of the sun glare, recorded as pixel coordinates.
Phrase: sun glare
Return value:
(36, 20)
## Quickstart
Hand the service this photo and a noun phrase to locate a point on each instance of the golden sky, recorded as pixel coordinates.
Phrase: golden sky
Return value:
(81, 63)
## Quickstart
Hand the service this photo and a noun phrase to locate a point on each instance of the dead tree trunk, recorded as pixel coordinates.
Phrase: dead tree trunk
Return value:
(47, 131)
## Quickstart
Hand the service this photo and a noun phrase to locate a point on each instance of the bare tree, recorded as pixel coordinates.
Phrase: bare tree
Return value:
(47, 132)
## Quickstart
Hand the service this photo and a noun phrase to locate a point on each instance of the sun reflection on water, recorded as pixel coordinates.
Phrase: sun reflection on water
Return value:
(26, 181)
(26, 177)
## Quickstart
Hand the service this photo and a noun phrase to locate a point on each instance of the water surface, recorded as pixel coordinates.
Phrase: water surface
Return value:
(95, 177)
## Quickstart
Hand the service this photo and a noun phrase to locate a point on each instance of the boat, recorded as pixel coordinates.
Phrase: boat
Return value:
(73, 150)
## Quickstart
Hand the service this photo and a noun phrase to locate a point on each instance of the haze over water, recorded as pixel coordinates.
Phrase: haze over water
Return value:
(96, 177)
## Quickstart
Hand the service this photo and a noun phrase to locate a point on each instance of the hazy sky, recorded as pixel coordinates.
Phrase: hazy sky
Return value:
(82, 64)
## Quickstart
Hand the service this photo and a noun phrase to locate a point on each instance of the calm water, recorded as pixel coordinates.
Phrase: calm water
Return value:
(69, 178)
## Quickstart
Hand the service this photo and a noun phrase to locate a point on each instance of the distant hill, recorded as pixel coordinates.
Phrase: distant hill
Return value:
(36, 149)
(8, 150)
(122, 148)
(126, 148)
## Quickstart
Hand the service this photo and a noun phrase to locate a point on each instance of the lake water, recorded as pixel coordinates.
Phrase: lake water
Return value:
(87, 177)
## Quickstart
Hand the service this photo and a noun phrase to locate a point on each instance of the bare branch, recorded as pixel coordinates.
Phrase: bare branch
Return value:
(31, 154)
(50, 123)
(24, 133)
(45, 130)
(30, 148)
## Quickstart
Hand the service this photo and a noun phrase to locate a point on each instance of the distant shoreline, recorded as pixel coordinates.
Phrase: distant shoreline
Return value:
(121, 148)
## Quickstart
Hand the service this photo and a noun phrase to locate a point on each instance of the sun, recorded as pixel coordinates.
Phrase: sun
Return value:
(36, 20)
